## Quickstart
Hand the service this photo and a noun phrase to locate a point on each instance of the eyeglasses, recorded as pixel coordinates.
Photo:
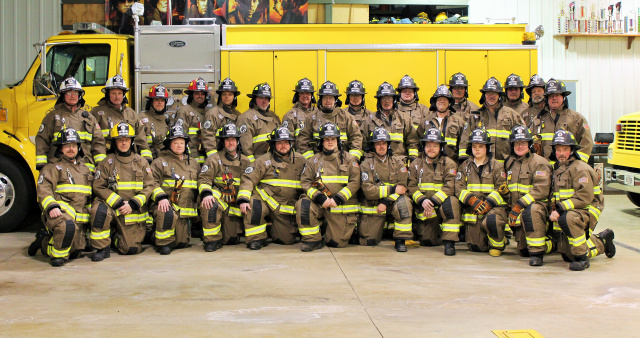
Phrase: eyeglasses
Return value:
(71, 93)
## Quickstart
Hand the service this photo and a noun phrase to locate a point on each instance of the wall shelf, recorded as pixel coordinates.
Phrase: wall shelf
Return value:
(568, 37)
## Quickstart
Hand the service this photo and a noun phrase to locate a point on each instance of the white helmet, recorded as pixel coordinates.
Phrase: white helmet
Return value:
(116, 82)
(69, 84)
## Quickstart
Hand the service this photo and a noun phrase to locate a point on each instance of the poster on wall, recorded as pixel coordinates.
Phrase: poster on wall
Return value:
(118, 17)
(156, 10)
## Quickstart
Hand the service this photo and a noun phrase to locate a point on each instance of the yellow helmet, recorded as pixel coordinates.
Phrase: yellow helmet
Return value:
(442, 16)
(122, 129)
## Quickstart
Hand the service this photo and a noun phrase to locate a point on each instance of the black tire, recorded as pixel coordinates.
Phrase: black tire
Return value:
(17, 193)
(634, 197)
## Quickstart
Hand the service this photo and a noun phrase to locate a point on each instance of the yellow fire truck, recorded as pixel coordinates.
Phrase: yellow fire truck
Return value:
(623, 156)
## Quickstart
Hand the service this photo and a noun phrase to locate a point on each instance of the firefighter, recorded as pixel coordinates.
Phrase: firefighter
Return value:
(443, 116)
(191, 115)
(122, 186)
(223, 113)
(67, 113)
(477, 183)
(304, 104)
(384, 184)
(218, 185)
(175, 176)
(408, 91)
(404, 138)
(515, 93)
(329, 111)
(557, 115)
(493, 117)
(155, 119)
(528, 184)
(257, 123)
(112, 109)
(577, 204)
(330, 179)
(269, 189)
(431, 186)
(355, 102)
(535, 90)
(459, 87)
(64, 191)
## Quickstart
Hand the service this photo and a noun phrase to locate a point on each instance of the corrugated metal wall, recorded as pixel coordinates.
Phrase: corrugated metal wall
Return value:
(607, 73)
(23, 23)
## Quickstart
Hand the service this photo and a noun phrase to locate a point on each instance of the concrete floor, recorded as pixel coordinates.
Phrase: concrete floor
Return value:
(355, 292)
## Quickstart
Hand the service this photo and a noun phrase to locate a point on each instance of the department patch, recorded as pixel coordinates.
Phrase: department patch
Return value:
(583, 180)
(364, 177)
(41, 128)
(301, 125)
(243, 128)
(110, 161)
(101, 112)
(40, 179)
(255, 117)
(59, 167)
(220, 116)
(164, 164)
(452, 171)
(541, 173)
(191, 113)
(207, 124)
(459, 176)
(204, 168)
(267, 163)
(249, 170)
(97, 175)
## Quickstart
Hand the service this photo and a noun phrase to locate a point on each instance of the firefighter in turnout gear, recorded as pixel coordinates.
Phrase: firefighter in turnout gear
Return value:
(459, 87)
(223, 113)
(513, 87)
(304, 104)
(355, 102)
(176, 191)
(64, 192)
(67, 113)
(527, 186)
(384, 184)
(191, 117)
(477, 184)
(330, 179)
(431, 186)
(576, 205)
(122, 186)
(493, 117)
(269, 189)
(408, 103)
(329, 111)
(155, 119)
(257, 123)
(404, 138)
(443, 117)
(218, 184)
(535, 90)
(556, 116)
(112, 109)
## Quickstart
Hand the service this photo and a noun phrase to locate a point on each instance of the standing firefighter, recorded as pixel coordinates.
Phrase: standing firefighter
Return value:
(431, 186)
(191, 116)
(257, 123)
(175, 176)
(64, 191)
(408, 103)
(329, 111)
(304, 104)
(443, 117)
(330, 179)
(218, 185)
(122, 185)
(155, 119)
(577, 204)
(67, 114)
(355, 102)
(477, 185)
(112, 109)
(223, 113)
(535, 90)
(528, 183)
(459, 87)
(269, 189)
(404, 139)
(384, 183)
(515, 93)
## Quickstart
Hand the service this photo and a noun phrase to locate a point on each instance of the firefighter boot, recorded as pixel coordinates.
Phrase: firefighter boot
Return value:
(536, 259)
(165, 250)
(581, 263)
(449, 248)
(495, 252)
(310, 246)
(101, 254)
(213, 246)
(37, 243)
(255, 245)
(607, 239)
(57, 261)
(400, 246)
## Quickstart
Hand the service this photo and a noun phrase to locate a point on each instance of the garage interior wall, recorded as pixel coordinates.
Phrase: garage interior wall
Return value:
(23, 23)
(607, 73)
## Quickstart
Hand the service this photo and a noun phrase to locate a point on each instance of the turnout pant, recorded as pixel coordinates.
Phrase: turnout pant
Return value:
(372, 224)
(64, 236)
(171, 228)
(531, 228)
(486, 232)
(129, 230)
(577, 234)
(222, 224)
(283, 225)
(340, 222)
(443, 224)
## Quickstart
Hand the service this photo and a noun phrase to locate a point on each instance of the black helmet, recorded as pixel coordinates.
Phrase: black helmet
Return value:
(513, 81)
(441, 91)
(304, 86)
(479, 136)
(329, 88)
(563, 138)
(65, 136)
(175, 132)
(281, 134)
(229, 130)
(492, 85)
(520, 133)
(407, 83)
(261, 90)
(228, 85)
(459, 80)
(385, 89)
(329, 129)
(554, 86)
(535, 81)
(379, 134)
(433, 134)
(356, 87)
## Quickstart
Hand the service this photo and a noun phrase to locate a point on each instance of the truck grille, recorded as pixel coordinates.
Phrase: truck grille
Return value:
(629, 137)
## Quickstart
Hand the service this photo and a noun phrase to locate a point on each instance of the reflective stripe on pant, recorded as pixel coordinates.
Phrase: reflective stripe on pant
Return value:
(340, 226)
(533, 220)
(101, 218)
(221, 224)
(171, 229)
(372, 224)
(62, 234)
(577, 240)
(488, 232)
(283, 226)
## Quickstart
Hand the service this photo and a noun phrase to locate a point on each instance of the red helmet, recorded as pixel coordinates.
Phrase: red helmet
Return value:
(198, 85)
(158, 91)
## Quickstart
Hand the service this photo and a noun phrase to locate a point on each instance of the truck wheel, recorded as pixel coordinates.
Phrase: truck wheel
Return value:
(15, 194)
(634, 197)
